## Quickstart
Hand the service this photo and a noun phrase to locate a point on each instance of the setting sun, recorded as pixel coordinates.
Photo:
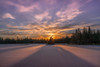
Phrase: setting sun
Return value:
(51, 35)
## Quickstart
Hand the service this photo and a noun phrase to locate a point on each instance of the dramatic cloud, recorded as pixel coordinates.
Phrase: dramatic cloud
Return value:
(8, 15)
(69, 13)
(22, 8)
(42, 16)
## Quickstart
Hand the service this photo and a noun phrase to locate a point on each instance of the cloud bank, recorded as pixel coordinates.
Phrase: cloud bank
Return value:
(40, 18)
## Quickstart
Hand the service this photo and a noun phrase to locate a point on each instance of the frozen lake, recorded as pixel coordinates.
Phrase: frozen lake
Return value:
(41, 55)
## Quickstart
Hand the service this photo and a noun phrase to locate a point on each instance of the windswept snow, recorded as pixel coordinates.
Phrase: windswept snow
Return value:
(41, 55)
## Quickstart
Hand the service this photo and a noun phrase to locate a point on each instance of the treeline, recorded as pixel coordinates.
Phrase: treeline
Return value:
(82, 36)
(20, 41)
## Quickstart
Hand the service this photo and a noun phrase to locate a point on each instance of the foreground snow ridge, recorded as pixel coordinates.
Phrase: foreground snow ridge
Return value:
(41, 55)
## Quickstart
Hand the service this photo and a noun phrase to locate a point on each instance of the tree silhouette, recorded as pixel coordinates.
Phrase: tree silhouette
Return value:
(51, 40)
(80, 36)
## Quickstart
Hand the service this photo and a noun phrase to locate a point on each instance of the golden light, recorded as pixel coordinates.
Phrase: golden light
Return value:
(51, 35)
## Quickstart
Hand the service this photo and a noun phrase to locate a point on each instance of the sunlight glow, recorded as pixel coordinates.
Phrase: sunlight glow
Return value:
(51, 35)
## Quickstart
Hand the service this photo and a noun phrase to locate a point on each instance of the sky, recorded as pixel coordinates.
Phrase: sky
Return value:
(44, 18)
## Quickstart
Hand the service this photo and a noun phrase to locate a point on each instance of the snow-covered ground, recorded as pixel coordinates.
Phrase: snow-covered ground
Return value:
(89, 53)
(41, 55)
